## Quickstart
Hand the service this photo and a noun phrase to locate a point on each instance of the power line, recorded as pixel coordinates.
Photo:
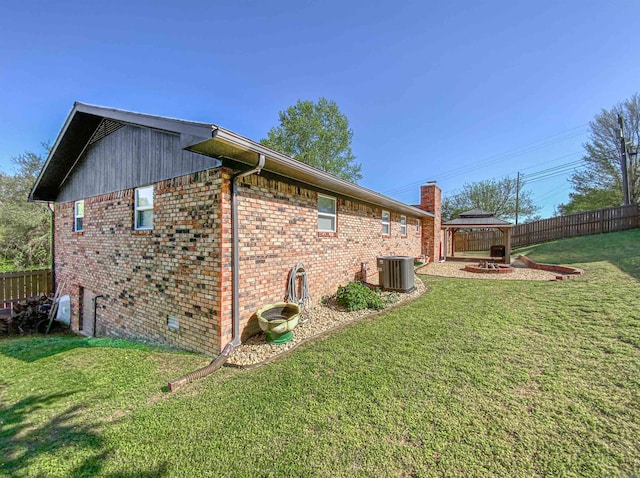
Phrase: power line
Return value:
(498, 158)
(542, 174)
(537, 173)
(559, 172)
(532, 178)
(553, 192)
(553, 139)
(537, 176)
(554, 168)
(552, 160)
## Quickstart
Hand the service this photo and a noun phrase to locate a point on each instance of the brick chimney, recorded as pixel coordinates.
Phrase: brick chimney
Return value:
(431, 201)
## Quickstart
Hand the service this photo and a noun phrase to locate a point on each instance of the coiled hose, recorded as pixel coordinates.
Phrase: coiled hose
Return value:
(299, 295)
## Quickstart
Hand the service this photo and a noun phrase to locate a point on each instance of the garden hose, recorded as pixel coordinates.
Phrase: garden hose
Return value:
(299, 271)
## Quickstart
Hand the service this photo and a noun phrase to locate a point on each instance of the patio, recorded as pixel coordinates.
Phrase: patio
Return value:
(455, 268)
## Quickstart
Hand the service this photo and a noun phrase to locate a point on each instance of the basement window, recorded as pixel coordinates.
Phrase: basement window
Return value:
(386, 223)
(403, 225)
(144, 208)
(78, 216)
(326, 213)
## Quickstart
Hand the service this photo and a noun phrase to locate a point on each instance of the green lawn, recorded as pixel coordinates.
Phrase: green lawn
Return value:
(476, 378)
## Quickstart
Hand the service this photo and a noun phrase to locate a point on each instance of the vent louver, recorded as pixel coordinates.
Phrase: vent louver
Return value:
(105, 128)
(173, 322)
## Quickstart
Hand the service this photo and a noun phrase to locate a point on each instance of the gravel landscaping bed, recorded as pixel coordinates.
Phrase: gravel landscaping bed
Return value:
(324, 319)
(456, 269)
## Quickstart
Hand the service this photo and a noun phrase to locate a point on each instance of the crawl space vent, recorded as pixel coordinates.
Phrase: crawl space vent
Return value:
(173, 323)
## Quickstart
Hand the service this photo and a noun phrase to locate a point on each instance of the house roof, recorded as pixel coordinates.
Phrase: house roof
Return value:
(476, 218)
(84, 122)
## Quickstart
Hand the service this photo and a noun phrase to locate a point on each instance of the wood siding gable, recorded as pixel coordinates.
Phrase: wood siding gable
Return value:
(130, 157)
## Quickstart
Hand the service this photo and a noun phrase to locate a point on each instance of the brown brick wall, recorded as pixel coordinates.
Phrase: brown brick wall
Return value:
(147, 275)
(279, 228)
(183, 266)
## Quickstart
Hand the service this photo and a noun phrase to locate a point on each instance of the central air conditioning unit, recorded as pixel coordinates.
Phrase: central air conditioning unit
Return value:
(396, 273)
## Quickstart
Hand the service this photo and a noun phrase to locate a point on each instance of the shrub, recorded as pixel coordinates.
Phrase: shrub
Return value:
(357, 296)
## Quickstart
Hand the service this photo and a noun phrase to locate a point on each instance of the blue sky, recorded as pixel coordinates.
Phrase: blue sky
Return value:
(449, 91)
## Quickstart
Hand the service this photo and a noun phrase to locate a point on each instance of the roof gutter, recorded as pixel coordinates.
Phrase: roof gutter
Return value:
(227, 144)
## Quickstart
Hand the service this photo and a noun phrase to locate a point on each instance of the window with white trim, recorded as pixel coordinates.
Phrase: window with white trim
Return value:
(386, 223)
(326, 213)
(78, 216)
(144, 208)
(403, 225)
(417, 225)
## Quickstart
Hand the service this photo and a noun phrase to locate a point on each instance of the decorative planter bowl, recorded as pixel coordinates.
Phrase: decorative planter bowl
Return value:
(278, 320)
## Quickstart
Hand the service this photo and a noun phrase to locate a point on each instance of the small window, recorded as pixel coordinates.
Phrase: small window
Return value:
(326, 214)
(78, 216)
(386, 226)
(417, 225)
(144, 208)
(403, 225)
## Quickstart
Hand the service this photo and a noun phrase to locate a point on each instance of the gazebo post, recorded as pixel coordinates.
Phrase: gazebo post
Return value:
(453, 242)
(506, 234)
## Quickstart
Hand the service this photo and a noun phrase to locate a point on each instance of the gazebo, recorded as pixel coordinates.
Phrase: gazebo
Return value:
(479, 219)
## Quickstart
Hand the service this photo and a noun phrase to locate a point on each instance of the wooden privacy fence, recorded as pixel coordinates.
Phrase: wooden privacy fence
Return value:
(22, 285)
(580, 224)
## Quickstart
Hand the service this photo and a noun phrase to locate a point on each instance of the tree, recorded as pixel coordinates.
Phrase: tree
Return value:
(588, 200)
(25, 228)
(495, 196)
(599, 184)
(317, 134)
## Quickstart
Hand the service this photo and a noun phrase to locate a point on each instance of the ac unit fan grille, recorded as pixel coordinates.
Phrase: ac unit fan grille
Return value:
(396, 273)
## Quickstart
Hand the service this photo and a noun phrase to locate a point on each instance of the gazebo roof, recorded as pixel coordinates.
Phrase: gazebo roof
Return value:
(476, 213)
(476, 218)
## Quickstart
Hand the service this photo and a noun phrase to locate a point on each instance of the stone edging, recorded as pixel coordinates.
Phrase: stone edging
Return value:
(565, 271)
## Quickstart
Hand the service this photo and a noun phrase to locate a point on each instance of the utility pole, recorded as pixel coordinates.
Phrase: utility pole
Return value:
(517, 196)
(623, 163)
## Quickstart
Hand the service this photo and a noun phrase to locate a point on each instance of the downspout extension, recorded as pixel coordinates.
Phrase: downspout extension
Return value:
(235, 263)
(204, 371)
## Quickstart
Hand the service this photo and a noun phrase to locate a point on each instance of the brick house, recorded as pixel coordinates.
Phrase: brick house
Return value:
(144, 222)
